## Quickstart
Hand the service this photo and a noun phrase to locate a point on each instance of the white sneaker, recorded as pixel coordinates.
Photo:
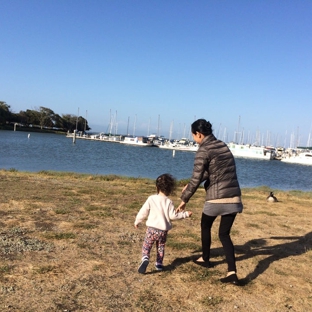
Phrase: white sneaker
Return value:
(159, 267)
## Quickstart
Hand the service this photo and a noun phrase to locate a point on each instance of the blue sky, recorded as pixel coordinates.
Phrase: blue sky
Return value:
(152, 66)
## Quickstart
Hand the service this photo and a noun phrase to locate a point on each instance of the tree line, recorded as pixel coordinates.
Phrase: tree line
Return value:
(43, 117)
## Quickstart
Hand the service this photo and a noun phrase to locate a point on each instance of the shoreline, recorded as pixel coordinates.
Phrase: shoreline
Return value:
(107, 177)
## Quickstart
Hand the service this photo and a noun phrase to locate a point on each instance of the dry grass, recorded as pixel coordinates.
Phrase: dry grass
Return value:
(67, 243)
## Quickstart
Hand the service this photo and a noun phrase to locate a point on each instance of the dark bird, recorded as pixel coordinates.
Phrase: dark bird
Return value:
(271, 198)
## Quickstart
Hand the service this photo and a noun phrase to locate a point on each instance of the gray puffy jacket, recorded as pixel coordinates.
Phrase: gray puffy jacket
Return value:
(214, 164)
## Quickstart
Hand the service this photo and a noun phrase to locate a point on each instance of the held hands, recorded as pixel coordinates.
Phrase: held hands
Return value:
(183, 204)
(181, 207)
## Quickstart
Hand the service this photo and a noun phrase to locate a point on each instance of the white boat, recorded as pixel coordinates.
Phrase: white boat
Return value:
(95, 137)
(250, 151)
(137, 141)
(304, 158)
(156, 140)
(181, 145)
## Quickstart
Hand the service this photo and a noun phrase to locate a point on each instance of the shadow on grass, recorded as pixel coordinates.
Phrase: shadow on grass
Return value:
(257, 247)
(179, 261)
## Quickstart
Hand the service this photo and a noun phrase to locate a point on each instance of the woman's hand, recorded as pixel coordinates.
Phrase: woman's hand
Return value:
(181, 206)
(184, 188)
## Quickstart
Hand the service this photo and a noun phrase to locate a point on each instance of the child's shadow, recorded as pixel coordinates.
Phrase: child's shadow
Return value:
(298, 246)
(172, 266)
(177, 262)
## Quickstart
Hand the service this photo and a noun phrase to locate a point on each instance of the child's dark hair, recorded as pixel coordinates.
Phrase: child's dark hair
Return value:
(202, 126)
(166, 184)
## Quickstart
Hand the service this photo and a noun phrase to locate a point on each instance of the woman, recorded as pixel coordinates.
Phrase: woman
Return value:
(214, 164)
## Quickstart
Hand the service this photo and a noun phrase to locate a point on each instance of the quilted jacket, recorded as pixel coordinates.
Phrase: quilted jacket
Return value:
(214, 164)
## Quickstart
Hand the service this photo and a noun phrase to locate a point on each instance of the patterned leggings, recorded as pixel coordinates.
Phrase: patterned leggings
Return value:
(154, 235)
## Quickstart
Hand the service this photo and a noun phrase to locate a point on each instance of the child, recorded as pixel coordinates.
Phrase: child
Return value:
(159, 211)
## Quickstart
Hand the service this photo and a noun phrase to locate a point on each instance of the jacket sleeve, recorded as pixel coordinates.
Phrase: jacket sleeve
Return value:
(143, 213)
(199, 175)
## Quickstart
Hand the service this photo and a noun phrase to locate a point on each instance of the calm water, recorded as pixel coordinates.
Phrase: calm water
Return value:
(58, 153)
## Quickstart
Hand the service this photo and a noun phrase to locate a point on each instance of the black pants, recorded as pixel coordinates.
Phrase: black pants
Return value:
(224, 235)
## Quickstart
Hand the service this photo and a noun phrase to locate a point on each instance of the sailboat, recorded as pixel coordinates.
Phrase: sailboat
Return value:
(142, 141)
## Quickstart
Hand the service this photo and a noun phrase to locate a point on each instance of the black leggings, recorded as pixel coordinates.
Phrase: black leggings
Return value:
(224, 235)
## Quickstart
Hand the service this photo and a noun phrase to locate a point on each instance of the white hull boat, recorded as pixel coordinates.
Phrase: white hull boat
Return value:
(180, 148)
(250, 151)
(301, 158)
(137, 141)
(182, 145)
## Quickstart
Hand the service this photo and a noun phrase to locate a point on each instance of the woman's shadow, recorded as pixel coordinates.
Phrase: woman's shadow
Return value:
(298, 245)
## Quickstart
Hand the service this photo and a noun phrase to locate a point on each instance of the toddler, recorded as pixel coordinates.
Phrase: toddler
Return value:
(159, 211)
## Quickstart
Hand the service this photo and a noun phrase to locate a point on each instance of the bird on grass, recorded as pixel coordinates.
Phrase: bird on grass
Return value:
(271, 198)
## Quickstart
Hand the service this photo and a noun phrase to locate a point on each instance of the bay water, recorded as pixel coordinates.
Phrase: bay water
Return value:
(41, 151)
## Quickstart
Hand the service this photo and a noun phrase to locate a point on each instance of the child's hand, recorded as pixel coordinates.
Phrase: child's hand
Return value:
(136, 226)
(190, 213)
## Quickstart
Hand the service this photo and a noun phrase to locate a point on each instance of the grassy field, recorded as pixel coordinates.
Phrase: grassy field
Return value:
(67, 243)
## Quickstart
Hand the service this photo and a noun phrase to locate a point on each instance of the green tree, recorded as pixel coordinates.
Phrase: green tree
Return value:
(69, 122)
(5, 113)
(43, 117)
(32, 117)
(46, 117)
(22, 118)
(58, 121)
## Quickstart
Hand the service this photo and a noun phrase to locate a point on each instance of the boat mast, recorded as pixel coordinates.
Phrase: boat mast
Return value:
(116, 125)
(236, 133)
(158, 125)
(285, 140)
(134, 125)
(218, 135)
(77, 120)
(170, 130)
(128, 125)
(297, 138)
(242, 137)
(148, 127)
(224, 135)
(110, 122)
(309, 139)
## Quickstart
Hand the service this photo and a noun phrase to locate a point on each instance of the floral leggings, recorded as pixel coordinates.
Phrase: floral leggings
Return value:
(154, 235)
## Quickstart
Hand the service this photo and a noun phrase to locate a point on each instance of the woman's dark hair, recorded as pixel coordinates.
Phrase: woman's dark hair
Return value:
(202, 126)
(166, 183)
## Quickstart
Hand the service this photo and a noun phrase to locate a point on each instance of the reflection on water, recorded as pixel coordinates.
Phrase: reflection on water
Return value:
(56, 152)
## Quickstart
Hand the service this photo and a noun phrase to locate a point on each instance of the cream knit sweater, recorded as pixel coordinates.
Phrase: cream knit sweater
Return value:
(159, 211)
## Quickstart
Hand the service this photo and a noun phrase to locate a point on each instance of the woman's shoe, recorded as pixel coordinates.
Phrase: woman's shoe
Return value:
(201, 262)
(230, 279)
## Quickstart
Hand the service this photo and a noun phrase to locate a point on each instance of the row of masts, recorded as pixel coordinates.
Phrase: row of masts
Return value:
(239, 135)
(266, 139)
